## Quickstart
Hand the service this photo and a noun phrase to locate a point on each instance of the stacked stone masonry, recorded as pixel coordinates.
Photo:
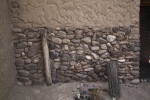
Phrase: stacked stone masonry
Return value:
(77, 54)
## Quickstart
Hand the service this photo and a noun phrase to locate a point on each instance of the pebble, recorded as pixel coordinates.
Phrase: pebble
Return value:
(111, 38)
(57, 40)
(95, 56)
(88, 57)
(95, 48)
(87, 40)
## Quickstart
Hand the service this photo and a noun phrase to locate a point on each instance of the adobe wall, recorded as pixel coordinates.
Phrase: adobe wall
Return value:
(7, 68)
(75, 13)
(84, 35)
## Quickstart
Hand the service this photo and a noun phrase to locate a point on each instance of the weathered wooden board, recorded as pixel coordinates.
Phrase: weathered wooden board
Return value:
(113, 82)
(46, 58)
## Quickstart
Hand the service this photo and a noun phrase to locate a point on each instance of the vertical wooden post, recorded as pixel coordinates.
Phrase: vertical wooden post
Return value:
(113, 82)
(46, 58)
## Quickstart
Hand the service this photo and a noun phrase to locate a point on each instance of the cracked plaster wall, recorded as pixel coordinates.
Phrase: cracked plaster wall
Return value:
(74, 13)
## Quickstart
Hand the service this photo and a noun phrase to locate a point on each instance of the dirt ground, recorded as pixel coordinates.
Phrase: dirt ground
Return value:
(66, 91)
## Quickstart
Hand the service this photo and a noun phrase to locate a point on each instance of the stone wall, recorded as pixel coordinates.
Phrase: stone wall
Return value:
(77, 54)
(28, 55)
(81, 52)
(74, 13)
(7, 67)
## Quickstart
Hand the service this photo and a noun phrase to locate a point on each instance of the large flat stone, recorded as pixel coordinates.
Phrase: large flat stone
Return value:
(33, 51)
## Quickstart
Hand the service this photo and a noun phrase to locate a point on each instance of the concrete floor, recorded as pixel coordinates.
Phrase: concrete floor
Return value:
(66, 91)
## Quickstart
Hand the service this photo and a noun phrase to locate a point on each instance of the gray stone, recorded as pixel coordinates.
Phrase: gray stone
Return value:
(23, 79)
(40, 65)
(81, 75)
(85, 66)
(96, 29)
(105, 55)
(79, 48)
(49, 30)
(36, 75)
(31, 35)
(63, 67)
(30, 44)
(80, 51)
(115, 29)
(102, 41)
(56, 65)
(27, 61)
(57, 40)
(35, 60)
(79, 32)
(61, 34)
(88, 57)
(95, 43)
(98, 67)
(33, 51)
(53, 54)
(23, 73)
(72, 63)
(123, 33)
(50, 35)
(66, 47)
(75, 41)
(65, 57)
(66, 40)
(103, 46)
(95, 48)
(104, 36)
(135, 73)
(86, 47)
(21, 36)
(79, 36)
(80, 58)
(30, 66)
(88, 69)
(21, 45)
(72, 48)
(86, 40)
(135, 81)
(116, 53)
(19, 62)
(111, 38)
(122, 60)
(52, 45)
(102, 52)
(109, 45)
(95, 56)
(90, 34)
(70, 36)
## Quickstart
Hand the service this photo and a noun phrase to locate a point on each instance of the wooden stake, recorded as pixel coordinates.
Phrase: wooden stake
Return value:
(113, 82)
(46, 58)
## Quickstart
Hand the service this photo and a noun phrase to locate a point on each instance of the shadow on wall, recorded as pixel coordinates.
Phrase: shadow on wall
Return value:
(7, 68)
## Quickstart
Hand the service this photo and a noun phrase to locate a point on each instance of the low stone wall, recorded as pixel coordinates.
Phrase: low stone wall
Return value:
(77, 54)
(28, 54)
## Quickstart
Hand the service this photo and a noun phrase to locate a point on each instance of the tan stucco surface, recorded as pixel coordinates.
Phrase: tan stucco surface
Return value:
(7, 68)
(75, 13)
